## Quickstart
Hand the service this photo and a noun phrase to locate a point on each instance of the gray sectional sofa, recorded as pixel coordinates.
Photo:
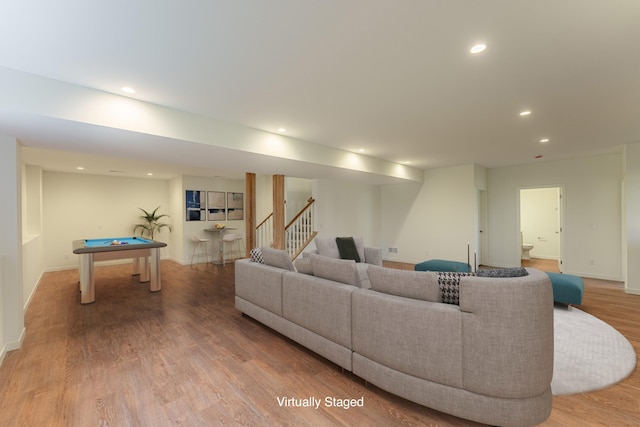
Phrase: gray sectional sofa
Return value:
(488, 359)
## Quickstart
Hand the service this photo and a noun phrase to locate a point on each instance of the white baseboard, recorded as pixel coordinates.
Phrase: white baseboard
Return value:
(15, 345)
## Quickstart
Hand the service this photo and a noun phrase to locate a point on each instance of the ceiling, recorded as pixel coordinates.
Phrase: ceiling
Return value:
(395, 79)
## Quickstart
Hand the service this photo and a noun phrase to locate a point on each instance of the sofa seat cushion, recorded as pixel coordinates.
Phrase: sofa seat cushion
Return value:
(409, 284)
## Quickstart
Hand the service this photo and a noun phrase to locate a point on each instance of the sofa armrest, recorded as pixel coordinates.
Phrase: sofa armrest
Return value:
(373, 255)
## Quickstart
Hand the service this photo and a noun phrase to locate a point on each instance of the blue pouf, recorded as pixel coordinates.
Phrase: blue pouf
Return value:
(567, 289)
(443, 265)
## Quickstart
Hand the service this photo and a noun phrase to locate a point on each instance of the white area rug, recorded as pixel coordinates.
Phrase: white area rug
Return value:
(589, 354)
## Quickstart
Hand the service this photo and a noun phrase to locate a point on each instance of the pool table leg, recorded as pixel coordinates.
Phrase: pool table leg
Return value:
(143, 268)
(155, 280)
(87, 285)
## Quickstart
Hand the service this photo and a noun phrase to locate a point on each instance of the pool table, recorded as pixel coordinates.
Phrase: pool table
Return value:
(145, 254)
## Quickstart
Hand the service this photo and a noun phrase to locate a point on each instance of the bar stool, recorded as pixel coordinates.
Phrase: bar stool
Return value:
(199, 248)
(231, 239)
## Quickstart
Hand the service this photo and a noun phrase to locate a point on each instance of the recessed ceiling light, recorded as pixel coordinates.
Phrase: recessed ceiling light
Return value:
(128, 89)
(149, 174)
(282, 130)
(80, 168)
(525, 112)
(361, 150)
(544, 141)
(480, 47)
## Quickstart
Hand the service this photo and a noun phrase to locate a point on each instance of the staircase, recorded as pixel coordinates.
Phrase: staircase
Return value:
(298, 233)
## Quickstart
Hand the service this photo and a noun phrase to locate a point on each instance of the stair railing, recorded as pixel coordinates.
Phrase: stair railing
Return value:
(298, 233)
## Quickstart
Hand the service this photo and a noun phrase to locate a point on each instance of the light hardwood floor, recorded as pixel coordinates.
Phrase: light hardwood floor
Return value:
(185, 356)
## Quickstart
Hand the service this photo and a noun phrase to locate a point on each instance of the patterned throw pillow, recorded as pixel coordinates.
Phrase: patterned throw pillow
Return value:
(503, 272)
(449, 283)
(256, 255)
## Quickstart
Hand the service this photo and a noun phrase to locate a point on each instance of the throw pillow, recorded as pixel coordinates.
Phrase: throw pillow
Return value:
(347, 248)
(449, 283)
(502, 272)
(256, 255)
(327, 247)
(277, 258)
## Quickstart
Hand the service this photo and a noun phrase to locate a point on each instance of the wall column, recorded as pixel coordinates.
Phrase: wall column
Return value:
(250, 209)
(278, 212)
(11, 298)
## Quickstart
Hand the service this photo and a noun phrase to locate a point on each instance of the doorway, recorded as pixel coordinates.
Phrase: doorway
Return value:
(541, 228)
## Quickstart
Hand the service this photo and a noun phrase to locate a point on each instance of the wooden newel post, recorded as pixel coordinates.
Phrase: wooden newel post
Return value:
(250, 219)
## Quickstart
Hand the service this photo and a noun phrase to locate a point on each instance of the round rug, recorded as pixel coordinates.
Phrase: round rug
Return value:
(589, 354)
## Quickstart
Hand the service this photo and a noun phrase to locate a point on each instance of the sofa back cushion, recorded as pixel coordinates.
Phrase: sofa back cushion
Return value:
(338, 270)
(421, 285)
(277, 258)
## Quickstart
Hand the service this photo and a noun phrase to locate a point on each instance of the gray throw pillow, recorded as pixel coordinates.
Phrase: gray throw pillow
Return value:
(327, 247)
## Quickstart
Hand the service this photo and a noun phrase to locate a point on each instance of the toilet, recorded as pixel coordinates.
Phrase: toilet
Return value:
(526, 248)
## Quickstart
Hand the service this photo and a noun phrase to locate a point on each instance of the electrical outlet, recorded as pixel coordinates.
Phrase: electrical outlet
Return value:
(393, 250)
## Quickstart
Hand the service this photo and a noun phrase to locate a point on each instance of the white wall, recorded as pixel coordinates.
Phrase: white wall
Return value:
(11, 259)
(83, 206)
(347, 209)
(539, 221)
(631, 218)
(591, 212)
(297, 192)
(264, 197)
(434, 219)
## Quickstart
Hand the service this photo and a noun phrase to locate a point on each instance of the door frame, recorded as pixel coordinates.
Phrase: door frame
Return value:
(561, 243)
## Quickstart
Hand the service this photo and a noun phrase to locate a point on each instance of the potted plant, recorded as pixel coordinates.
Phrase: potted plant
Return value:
(151, 223)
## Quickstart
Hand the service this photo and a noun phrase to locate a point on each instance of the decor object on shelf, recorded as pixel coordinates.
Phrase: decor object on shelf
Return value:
(151, 223)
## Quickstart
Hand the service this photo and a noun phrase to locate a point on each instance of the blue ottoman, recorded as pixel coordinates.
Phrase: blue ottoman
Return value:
(567, 289)
(443, 265)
